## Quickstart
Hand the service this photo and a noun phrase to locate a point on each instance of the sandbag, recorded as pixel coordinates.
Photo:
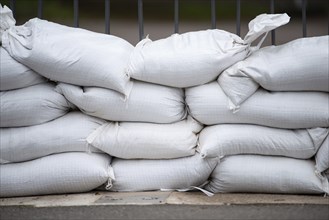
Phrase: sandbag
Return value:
(31, 105)
(142, 175)
(64, 134)
(55, 174)
(14, 75)
(195, 58)
(322, 157)
(132, 140)
(266, 174)
(230, 139)
(70, 55)
(293, 110)
(147, 102)
(300, 65)
(6, 19)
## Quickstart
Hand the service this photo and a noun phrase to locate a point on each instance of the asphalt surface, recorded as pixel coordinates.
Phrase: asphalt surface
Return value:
(165, 205)
(170, 212)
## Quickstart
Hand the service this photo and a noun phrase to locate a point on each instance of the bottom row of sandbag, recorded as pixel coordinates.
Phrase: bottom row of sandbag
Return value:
(75, 172)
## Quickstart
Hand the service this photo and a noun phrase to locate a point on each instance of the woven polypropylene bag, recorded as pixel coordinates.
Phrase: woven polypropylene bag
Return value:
(31, 105)
(146, 103)
(231, 139)
(293, 110)
(300, 65)
(266, 174)
(14, 75)
(70, 55)
(133, 140)
(55, 174)
(64, 134)
(181, 173)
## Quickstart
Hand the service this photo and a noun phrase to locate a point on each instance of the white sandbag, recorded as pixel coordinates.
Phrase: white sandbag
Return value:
(14, 75)
(195, 58)
(322, 157)
(143, 175)
(266, 174)
(59, 173)
(230, 139)
(293, 110)
(64, 134)
(300, 65)
(70, 55)
(131, 140)
(147, 102)
(6, 19)
(31, 105)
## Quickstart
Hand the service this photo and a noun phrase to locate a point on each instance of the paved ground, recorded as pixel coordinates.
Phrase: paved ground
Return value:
(165, 205)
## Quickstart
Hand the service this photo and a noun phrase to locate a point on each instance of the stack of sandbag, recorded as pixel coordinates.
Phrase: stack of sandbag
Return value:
(153, 141)
(154, 156)
(147, 121)
(37, 132)
(117, 115)
(148, 129)
(43, 147)
(268, 135)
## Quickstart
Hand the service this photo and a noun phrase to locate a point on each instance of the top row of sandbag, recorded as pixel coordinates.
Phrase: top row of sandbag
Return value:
(86, 58)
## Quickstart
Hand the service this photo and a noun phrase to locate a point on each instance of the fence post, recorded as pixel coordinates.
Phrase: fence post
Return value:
(304, 2)
(238, 17)
(272, 4)
(213, 14)
(107, 16)
(176, 19)
(140, 19)
(76, 12)
(40, 8)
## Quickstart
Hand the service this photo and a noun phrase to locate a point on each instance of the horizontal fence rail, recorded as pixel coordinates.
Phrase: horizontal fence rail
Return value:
(176, 15)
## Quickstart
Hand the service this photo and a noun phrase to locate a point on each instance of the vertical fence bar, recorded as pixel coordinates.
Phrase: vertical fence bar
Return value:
(213, 14)
(304, 2)
(140, 19)
(273, 31)
(40, 9)
(176, 12)
(76, 12)
(107, 16)
(238, 17)
(12, 6)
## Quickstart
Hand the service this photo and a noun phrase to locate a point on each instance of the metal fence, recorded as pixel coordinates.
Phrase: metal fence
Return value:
(107, 6)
